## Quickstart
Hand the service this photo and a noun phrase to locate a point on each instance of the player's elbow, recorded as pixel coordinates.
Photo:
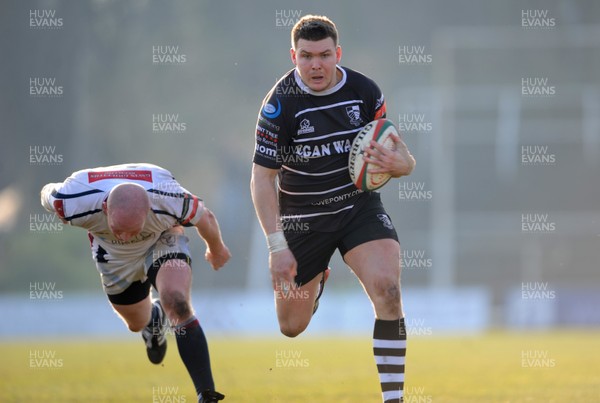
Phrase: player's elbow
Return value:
(45, 194)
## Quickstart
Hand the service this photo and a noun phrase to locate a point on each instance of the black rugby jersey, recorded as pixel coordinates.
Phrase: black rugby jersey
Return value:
(308, 136)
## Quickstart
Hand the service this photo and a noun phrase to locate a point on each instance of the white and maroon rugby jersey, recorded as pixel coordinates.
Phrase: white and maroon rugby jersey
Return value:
(78, 200)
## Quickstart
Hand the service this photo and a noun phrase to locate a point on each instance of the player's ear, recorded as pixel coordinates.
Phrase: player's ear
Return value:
(293, 55)
(338, 53)
(104, 208)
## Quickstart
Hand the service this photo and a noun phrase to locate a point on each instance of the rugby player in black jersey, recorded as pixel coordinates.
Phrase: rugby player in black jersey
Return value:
(304, 132)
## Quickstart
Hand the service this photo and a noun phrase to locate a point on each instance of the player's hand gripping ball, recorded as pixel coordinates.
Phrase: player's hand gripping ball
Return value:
(380, 131)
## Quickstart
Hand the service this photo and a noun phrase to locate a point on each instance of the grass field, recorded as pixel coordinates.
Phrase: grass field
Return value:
(561, 366)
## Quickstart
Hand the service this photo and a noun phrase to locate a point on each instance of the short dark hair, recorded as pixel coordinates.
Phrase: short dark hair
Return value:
(314, 28)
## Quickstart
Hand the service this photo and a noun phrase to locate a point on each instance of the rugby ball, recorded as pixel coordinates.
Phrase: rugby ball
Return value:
(380, 131)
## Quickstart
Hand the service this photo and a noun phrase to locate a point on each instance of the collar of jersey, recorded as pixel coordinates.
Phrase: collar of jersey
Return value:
(331, 90)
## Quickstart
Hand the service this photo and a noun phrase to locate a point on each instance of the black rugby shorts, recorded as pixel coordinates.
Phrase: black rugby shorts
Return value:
(313, 250)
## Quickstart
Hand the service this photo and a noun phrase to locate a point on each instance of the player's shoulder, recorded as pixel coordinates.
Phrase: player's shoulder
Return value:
(140, 166)
(279, 99)
(283, 86)
(359, 79)
(286, 80)
(162, 173)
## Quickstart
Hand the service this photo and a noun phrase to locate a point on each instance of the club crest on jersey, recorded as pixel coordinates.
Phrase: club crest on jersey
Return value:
(353, 113)
(305, 127)
(385, 220)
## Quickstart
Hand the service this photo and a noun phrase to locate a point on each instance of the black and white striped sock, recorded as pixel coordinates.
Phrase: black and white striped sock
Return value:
(389, 348)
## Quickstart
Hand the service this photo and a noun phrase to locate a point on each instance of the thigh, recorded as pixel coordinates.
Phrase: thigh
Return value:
(312, 251)
(295, 305)
(374, 260)
(377, 266)
(371, 223)
(133, 305)
(168, 263)
(370, 240)
(136, 315)
(370, 247)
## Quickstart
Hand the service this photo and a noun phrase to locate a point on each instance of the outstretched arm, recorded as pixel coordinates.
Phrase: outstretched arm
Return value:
(217, 253)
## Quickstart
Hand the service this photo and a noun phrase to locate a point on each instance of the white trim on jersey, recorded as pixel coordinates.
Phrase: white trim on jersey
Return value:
(318, 108)
(316, 193)
(316, 173)
(79, 201)
(79, 198)
(331, 90)
(342, 133)
(298, 216)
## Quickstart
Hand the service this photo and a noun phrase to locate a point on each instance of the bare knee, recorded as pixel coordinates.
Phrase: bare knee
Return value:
(136, 317)
(386, 296)
(137, 326)
(176, 305)
(295, 310)
(290, 330)
(137, 323)
(292, 327)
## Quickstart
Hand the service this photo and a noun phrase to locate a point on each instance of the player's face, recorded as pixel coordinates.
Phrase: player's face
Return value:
(125, 234)
(316, 62)
(124, 231)
(124, 226)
